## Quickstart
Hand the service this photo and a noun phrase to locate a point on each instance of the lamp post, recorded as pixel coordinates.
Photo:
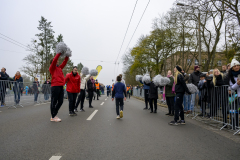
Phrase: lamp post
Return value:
(199, 34)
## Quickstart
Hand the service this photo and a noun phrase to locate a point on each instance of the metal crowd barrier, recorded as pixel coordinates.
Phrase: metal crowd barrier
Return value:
(14, 94)
(218, 104)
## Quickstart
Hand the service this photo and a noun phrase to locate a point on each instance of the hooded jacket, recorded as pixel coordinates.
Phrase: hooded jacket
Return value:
(73, 82)
(84, 81)
(195, 78)
(56, 71)
(181, 86)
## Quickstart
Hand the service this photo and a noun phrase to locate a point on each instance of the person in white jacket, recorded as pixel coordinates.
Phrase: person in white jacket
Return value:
(82, 95)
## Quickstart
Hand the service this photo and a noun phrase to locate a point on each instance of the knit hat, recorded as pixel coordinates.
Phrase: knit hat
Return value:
(234, 63)
(178, 68)
(195, 67)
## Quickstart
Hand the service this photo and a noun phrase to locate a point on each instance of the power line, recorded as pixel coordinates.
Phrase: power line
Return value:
(13, 40)
(137, 26)
(127, 30)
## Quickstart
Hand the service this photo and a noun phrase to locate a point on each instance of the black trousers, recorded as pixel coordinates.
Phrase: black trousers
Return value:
(56, 99)
(90, 95)
(81, 99)
(128, 94)
(170, 103)
(151, 100)
(119, 102)
(179, 107)
(72, 101)
(146, 94)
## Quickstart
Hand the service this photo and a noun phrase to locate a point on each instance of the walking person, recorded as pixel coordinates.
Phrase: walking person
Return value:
(73, 81)
(26, 90)
(128, 91)
(90, 89)
(108, 90)
(97, 86)
(82, 94)
(119, 92)
(153, 97)
(180, 89)
(46, 89)
(3, 85)
(169, 94)
(57, 92)
(146, 94)
(35, 89)
(18, 86)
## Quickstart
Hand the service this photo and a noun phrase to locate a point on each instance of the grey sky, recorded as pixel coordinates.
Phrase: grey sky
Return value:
(93, 29)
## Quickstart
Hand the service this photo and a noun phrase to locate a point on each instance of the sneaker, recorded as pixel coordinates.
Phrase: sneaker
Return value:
(149, 108)
(58, 118)
(121, 114)
(118, 117)
(145, 108)
(167, 114)
(55, 119)
(75, 110)
(181, 122)
(173, 123)
(75, 114)
(91, 107)
(151, 112)
(171, 114)
(52, 119)
(82, 110)
(155, 111)
(71, 114)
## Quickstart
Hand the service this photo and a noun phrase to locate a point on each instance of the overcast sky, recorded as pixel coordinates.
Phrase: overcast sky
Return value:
(93, 29)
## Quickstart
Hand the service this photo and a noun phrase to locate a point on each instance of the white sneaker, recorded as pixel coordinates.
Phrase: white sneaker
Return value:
(58, 119)
(118, 117)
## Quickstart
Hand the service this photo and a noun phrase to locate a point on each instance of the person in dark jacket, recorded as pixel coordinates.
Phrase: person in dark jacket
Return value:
(118, 91)
(186, 98)
(180, 89)
(153, 96)
(90, 89)
(18, 86)
(146, 95)
(108, 89)
(35, 89)
(3, 85)
(46, 89)
(202, 93)
(194, 79)
(169, 94)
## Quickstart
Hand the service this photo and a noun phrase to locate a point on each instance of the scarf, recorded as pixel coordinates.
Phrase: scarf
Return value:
(173, 88)
(93, 82)
(233, 74)
(17, 77)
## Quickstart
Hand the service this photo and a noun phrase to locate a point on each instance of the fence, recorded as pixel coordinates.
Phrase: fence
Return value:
(217, 104)
(16, 94)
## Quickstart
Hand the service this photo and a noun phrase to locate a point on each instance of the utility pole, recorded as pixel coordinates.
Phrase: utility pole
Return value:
(199, 39)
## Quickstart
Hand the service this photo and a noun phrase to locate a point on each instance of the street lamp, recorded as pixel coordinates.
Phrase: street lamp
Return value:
(199, 34)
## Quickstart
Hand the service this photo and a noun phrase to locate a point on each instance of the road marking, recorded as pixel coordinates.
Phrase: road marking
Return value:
(102, 103)
(105, 99)
(55, 157)
(91, 116)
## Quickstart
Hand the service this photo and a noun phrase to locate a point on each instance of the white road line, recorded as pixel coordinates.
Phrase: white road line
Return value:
(55, 157)
(102, 103)
(91, 116)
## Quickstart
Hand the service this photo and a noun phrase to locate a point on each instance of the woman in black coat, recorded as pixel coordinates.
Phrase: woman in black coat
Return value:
(153, 96)
(18, 86)
(35, 89)
(180, 89)
(90, 89)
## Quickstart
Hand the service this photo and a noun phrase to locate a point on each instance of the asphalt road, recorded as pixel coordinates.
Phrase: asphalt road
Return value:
(27, 133)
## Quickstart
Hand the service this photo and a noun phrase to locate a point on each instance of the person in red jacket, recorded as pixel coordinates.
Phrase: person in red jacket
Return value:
(57, 86)
(73, 81)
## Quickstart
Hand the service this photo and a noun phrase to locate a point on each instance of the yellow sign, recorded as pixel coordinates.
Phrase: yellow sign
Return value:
(99, 68)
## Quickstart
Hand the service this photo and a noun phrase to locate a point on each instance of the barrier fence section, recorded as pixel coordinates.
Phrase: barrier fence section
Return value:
(17, 94)
(218, 104)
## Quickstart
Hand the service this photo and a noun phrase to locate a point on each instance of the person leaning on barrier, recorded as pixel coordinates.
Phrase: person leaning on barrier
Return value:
(3, 85)
(169, 94)
(18, 86)
(186, 98)
(202, 94)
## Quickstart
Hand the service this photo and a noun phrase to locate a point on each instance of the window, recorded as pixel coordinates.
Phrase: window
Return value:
(219, 63)
(189, 62)
(196, 62)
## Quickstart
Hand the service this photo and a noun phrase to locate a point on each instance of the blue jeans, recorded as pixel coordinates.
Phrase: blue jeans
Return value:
(17, 96)
(35, 97)
(193, 98)
(46, 96)
(186, 102)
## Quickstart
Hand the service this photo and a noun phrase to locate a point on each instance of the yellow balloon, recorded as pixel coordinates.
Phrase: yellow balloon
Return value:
(99, 68)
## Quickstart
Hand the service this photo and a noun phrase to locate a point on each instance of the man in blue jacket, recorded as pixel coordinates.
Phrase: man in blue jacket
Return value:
(146, 94)
(118, 91)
